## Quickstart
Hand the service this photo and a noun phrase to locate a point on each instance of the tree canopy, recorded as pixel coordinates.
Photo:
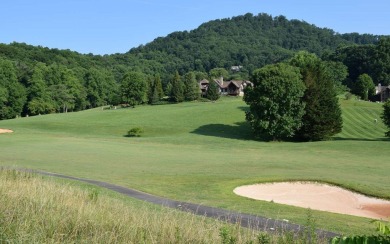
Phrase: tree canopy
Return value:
(275, 103)
(364, 87)
(322, 118)
(212, 92)
(134, 88)
(177, 92)
(386, 116)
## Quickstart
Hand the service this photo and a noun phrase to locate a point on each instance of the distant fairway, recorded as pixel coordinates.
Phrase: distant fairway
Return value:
(362, 121)
(199, 152)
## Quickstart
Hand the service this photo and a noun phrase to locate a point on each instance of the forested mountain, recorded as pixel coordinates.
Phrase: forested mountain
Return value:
(38, 80)
(250, 41)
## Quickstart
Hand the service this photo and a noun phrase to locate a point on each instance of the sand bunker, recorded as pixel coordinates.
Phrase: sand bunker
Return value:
(318, 196)
(5, 131)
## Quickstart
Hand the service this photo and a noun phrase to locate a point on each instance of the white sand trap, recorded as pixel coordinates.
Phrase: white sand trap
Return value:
(318, 196)
(5, 131)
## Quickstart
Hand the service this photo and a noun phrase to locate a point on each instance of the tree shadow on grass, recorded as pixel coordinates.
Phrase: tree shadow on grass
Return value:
(360, 139)
(244, 108)
(239, 131)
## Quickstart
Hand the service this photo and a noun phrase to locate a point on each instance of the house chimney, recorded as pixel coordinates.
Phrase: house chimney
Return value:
(379, 88)
(221, 80)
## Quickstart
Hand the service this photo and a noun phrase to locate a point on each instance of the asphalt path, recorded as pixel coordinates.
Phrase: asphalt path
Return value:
(245, 220)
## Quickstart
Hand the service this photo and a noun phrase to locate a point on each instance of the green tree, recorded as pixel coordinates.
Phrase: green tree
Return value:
(63, 98)
(218, 72)
(134, 88)
(364, 87)
(177, 92)
(66, 89)
(191, 87)
(386, 116)
(322, 118)
(275, 102)
(39, 99)
(212, 92)
(200, 75)
(381, 62)
(168, 89)
(338, 73)
(92, 84)
(12, 93)
(156, 92)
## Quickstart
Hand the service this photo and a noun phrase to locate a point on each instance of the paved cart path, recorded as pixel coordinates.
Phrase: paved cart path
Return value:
(245, 220)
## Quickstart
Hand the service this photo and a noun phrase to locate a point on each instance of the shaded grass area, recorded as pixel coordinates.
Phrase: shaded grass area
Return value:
(199, 152)
(41, 210)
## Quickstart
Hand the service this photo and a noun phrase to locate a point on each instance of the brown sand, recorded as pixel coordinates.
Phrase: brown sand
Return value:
(5, 131)
(318, 196)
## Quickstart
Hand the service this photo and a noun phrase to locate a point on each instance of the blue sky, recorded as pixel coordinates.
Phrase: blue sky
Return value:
(115, 26)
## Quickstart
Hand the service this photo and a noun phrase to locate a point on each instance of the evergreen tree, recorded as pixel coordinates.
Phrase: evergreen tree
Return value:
(191, 87)
(156, 92)
(177, 93)
(212, 92)
(168, 89)
(386, 116)
(322, 118)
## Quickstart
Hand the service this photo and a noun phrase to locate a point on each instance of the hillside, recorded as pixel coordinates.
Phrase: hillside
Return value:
(34, 209)
(248, 40)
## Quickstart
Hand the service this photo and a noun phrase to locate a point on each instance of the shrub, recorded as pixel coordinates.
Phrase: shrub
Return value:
(135, 132)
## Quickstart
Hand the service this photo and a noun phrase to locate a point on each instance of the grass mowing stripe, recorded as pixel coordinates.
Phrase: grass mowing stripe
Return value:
(355, 118)
(356, 126)
(368, 121)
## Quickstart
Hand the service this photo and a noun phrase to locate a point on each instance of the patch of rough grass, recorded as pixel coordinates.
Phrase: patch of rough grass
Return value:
(40, 210)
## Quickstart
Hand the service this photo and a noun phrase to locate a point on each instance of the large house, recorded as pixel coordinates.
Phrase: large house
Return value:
(230, 88)
(382, 93)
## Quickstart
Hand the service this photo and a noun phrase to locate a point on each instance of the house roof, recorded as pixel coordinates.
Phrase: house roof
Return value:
(380, 89)
(225, 84)
(236, 83)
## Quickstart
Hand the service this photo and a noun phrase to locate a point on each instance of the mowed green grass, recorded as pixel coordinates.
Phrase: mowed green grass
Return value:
(199, 152)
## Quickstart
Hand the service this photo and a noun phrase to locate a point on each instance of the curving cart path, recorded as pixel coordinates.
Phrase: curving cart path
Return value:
(245, 220)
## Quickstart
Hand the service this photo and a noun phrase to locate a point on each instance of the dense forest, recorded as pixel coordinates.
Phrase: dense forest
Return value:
(38, 80)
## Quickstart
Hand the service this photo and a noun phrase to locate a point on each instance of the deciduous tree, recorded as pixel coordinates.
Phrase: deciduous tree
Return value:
(134, 88)
(364, 87)
(12, 93)
(275, 102)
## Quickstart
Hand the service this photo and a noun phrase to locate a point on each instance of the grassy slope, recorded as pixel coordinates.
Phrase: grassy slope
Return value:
(199, 152)
(39, 210)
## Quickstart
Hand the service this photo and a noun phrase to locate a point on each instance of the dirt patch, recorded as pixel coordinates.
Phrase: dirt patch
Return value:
(5, 131)
(318, 196)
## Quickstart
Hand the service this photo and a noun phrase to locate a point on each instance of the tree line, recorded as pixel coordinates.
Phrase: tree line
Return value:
(367, 65)
(42, 89)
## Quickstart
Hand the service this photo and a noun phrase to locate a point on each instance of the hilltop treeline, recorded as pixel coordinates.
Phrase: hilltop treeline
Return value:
(39, 80)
